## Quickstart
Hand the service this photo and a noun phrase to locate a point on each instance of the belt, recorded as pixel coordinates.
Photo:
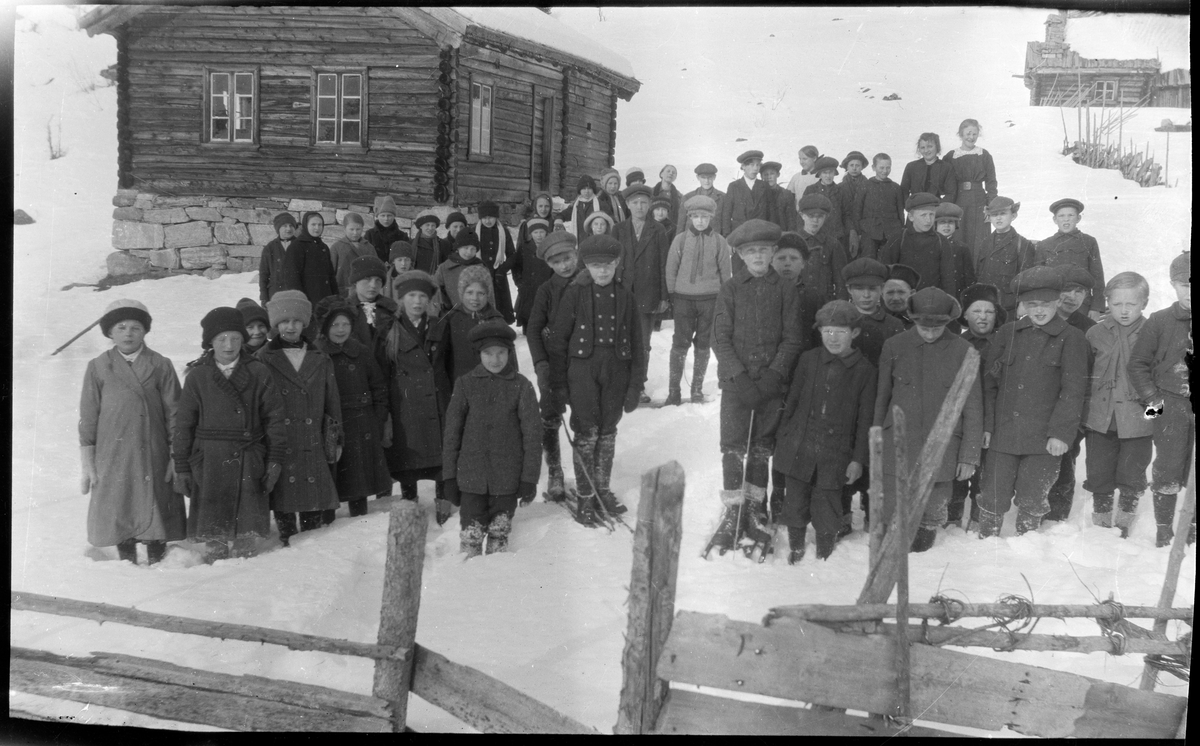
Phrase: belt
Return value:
(217, 433)
(967, 185)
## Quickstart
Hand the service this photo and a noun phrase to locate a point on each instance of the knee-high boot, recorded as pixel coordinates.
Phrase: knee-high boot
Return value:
(550, 447)
(699, 369)
(678, 358)
(606, 447)
(584, 456)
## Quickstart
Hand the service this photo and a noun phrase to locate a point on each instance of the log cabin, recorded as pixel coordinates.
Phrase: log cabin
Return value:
(228, 114)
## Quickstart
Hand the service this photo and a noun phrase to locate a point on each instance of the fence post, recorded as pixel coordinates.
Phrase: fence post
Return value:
(400, 604)
(651, 597)
(1165, 599)
(875, 493)
(905, 482)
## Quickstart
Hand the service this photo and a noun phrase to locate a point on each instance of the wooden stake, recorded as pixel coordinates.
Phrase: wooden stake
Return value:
(1183, 525)
(77, 336)
(651, 597)
(400, 604)
(876, 611)
(875, 493)
(1167, 164)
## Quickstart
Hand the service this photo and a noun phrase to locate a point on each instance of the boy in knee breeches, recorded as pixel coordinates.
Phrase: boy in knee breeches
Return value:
(1158, 370)
(756, 336)
(1035, 378)
(597, 356)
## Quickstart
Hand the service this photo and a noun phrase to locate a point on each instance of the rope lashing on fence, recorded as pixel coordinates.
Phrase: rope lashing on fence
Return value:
(1115, 627)
(1022, 614)
(952, 609)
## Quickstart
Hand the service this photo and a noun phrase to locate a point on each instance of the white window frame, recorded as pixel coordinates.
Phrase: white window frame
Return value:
(483, 107)
(241, 110)
(338, 102)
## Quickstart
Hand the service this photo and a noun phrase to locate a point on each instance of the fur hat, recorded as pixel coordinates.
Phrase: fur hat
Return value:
(491, 333)
(706, 169)
(981, 291)
(700, 203)
(466, 238)
(599, 215)
(838, 313)
(289, 304)
(284, 218)
(634, 174)
(401, 249)
(476, 273)
(815, 201)
(330, 307)
(224, 319)
(599, 249)
(414, 279)
(775, 166)
(921, 200)
(251, 311)
(353, 217)
(865, 271)
(386, 204)
(556, 243)
(1073, 275)
(1181, 269)
(948, 211)
(793, 240)
(1068, 202)
(1000, 204)
(1037, 283)
(824, 163)
(750, 155)
(610, 173)
(586, 182)
(427, 218)
(905, 274)
(367, 266)
(456, 217)
(489, 209)
(533, 224)
(753, 233)
(933, 307)
(124, 309)
(637, 190)
(661, 200)
(854, 155)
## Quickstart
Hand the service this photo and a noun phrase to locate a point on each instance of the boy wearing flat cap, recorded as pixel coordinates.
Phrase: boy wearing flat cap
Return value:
(879, 211)
(706, 174)
(642, 269)
(946, 221)
(756, 336)
(916, 371)
(1070, 246)
(782, 202)
(898, 289)
(1034, 383)
(1077, 287)
(1004, 253)
(826, 255)
(559, 251)
(747, 198)
(922, 248)
(597, 355)
(840, 222)
(853, 184)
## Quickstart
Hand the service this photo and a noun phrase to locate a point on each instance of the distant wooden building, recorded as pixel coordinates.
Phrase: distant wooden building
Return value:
(1173, 89)
(253, 107)
(1057, 76)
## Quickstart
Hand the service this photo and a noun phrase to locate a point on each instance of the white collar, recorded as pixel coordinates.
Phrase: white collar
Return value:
(133, 355)
(230, 366)
(749, 182)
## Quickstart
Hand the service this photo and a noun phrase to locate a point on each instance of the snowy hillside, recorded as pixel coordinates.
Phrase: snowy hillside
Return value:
(549, 617)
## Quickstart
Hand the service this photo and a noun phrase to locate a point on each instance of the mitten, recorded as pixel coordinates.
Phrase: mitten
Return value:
(184, 484)
(87, 458)
(747, 392)
(770, 385)
(560, 399)
(386, 442)
(632, 398)
(526, 492)
(271, 477)
(543, 375)
(443, 509)
(450, 491)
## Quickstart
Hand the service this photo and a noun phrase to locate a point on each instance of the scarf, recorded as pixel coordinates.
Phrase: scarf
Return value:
(369, 311)
(501, 243)
(576, 227)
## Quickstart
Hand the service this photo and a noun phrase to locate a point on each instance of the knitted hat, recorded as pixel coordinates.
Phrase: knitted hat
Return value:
(920, 200)
(700, 203)
(637, 190)
(251, 311)
(1181, 269)
(586, 182)
(533, 224)
(662, 200)
(289, 304)
(402, 249)
(610, 173)
(775, 166)
(987, 293)
(330, 307)
(838, 313)
(386, 204)
(490, 334)
(466, 238)
(815, 201)
(489, 209)
(905, 274)
(599, 249)
(865, 271)
(750, 155)
(854, 155)
(600, 215)
(1037, 283)
(476, 273)
(1000, 204)
(415, 279)
(455, 217)
(353, 218)
(367, 266)
(933, 307)
(554, 244)
(1068, 202)
(634, 174)
(284, 218)
(824, 163)
(948, 211)
(754, 233)
(427, 218)
(1073, 275)
(706, 169)
(124, 309)
(793, 240)
(223, 319)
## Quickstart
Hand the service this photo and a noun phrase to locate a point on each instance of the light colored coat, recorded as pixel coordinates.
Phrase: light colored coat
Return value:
(1111, 390)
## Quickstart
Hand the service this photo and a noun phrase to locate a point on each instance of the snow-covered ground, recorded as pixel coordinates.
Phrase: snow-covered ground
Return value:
(549, 616)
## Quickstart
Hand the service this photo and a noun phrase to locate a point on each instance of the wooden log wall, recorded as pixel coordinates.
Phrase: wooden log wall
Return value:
(168, 50)
(589, 122)
(1064, 86)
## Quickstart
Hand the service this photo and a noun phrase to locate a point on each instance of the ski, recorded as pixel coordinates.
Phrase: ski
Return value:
(570, 503)
(725, 536)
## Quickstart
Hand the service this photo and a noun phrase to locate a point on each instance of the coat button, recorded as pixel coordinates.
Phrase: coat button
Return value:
(246, 434)
(311, 480)
(147, 479)
(285, 392)
(287, 422)
(289, 450)
(308, 420)
(351, 366)
(291, 479)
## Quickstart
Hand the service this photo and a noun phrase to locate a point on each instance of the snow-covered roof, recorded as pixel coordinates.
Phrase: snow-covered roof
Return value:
(1127, 36)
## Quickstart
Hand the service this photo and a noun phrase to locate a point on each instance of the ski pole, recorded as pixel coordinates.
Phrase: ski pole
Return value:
(77, 336)
(592, 484)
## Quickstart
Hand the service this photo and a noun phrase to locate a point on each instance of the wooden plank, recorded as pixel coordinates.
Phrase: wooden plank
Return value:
(863, 612)
(964, 637)
(651, 597)
(25, 601)
(809, 663)
(483, 702)
(400, 605)
(687, 712)
(1182, 526)
(162, 690)
(875, 493)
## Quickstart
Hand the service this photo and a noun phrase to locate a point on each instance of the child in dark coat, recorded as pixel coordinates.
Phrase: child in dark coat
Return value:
(466, 254)
(822, 442)
(642, 269)
(427, 247)
(257, 322)
(666, 189)
(375, 312)
(879, 211)
(386, 231)
(840, 221)
(1003, 254)
(475, 306)
(597, 356)
(559, 252)
(270, 264)
(490, 456)
(528, 271)
(497, 252)
(946, 221)
(853, 185)
(929, 173)
(898, 289)
(747, 198)
(1158, 370)
(308, 264)
(921, 247)
(1071, 246)
(826, 255)
(400, 260)
(349, 247)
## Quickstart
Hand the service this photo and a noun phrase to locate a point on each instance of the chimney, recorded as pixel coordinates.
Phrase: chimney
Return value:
(1056, 29)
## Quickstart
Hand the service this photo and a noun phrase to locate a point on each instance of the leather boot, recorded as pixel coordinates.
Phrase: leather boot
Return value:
(699, 369)
(584, 456)
(825, 545)
(155, 551)
(674, 395)
(1027, 522)
(989, 523)
(287, 526)
(127, 550)
(775, 502)
(1124, 521)
(1164, 516)
(1102, 508)
(497, 533)
(555, 490)
(732, 470)
(311, 519)
(923, 541)
(606, 446)
(796, 543)
(357, 507)
(470, 540)
(724, 538)
(1127, 511)
(408, 491)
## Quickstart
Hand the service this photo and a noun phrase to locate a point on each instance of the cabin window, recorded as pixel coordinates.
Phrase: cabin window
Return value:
(1106, 90)
(481, 119)
(231, 106)
(340, 108)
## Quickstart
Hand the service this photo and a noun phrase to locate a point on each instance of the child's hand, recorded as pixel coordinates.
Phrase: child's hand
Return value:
(987, 439)
(526, 492)
(542, 370)
(184, 484)
(386, 442)
(853, 472)
(87, 458)
(1056, 447)
(271, 477)
(964, 472)
(662, 306)
(170, 475)
(632, 398)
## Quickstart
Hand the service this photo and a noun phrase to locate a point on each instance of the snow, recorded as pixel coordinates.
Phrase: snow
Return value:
(549, 617)
(1126, 36)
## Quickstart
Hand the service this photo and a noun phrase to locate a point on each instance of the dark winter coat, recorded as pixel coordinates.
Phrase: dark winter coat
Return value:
(270, 269)
(854, 187)
(372, 337)
(523, 228)
(542, 314)
(226, 432)
(528, 273)
(128, 413)
(455, 354)
(975, 177)
(827, 418)
(642, 270)
(492, 242)
(1076, 249)
(446, 279)
(999, 259)
(383, 238)
(840, 221)
(676, 198)
(362, 390)
(418, 393)
(879, 211)
(756, 326)
(964, 265)
(573, 329)
(877, 328)
(343, 253)
(783, 209)
(916, 376)
(936, 179)
(619, 214)
(930, 254)
(822, 273)
(575, 216)
(313, 417)
(716, 195)
(308, 267)
(493, 433)
(741, 203)
(1156, 365)
(429, 253)
(1112, 393)
(1034, 384)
